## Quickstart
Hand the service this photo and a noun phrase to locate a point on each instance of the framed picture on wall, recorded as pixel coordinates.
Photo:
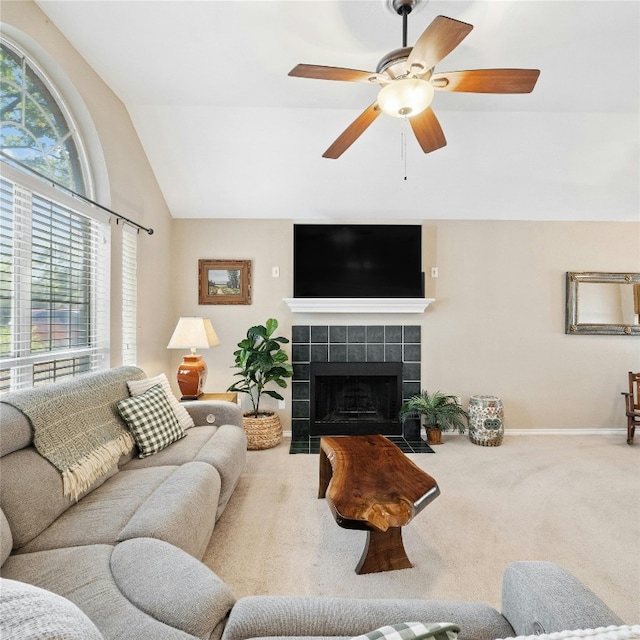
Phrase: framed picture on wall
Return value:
(224, 282)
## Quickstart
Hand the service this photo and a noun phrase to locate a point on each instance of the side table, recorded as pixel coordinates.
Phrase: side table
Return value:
(229, 397)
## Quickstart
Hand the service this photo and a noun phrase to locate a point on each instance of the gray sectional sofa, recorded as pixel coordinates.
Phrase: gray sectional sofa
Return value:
(128, 552)
(122, 562)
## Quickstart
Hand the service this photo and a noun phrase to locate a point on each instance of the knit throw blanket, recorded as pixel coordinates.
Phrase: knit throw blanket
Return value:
(77, 428)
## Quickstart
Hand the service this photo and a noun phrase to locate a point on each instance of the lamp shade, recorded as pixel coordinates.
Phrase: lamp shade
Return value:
(405, 98)
(193, 333)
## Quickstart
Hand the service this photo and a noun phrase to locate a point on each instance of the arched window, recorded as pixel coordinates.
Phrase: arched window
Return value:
(54, 248)
(35, 127)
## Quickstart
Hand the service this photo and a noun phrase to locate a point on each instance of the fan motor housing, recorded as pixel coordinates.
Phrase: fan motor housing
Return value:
(393, 63)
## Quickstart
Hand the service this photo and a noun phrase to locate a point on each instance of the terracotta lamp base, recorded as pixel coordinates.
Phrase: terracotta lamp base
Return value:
(192, 374)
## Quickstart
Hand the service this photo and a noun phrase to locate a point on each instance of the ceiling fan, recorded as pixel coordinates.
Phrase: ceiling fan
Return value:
(408, 81)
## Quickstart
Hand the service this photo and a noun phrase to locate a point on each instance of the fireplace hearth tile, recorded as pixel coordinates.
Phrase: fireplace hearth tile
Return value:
(412, 334)
(319, 334)
(412, 353)
(375, 353)
(300, 371)
(375, 334)
(411, 372)
(393, 353)
(300, 352)
(410, 389)
(312, 445)
(356, 334)
(319, 353)
(300, 391)
(338, 353)
(300, 333)
(393, 334)
(300, 409)
(356, 353)
(338, 334)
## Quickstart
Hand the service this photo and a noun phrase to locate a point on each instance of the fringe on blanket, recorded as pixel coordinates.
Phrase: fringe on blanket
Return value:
(79, 478)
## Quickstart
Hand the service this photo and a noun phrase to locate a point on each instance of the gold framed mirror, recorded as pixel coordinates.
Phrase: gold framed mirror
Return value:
(602, 303)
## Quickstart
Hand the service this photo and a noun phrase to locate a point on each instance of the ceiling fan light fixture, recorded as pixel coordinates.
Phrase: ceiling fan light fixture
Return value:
(405, 98)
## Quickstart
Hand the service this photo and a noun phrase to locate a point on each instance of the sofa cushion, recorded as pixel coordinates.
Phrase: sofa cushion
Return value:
(31, 613)
(83, 575)
(171, 586)
(151, 420)
(413, 631)
(224, 448)
(181, 510)
(136, 387)
(31, 494)
(101, 515)
(16, 429)
(6, 539)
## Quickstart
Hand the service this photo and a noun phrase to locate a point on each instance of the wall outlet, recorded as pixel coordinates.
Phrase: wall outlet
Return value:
(434, 272)
(275, 272)
(281, 404)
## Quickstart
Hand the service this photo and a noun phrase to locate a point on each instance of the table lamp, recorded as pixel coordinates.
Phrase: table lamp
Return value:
(193, 333)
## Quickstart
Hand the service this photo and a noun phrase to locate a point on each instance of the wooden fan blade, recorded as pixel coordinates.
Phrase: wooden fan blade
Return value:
(438, 40)
(428, 131)
(487, 80)
(352, 132)
(319, 72)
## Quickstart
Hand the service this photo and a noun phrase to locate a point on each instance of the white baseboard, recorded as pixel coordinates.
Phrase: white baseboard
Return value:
(565, 432)
(542, 432)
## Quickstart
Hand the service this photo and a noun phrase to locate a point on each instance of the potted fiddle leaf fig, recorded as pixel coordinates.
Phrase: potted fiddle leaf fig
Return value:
(437, 411)
(261, 362)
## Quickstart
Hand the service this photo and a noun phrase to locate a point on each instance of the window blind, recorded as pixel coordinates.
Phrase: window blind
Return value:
(129, 295)
(54, 279)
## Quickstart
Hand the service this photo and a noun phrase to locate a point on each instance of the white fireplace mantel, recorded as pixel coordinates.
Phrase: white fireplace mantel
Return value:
(358, 305)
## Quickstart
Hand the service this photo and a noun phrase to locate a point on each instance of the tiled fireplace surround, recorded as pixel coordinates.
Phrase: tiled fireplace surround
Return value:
(352, 343)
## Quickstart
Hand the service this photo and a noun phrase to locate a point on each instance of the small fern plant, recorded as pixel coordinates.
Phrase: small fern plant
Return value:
(437, 410)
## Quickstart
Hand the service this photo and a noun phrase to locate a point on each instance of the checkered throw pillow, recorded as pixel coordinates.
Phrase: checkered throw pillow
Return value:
(151, 420)
(413, 631)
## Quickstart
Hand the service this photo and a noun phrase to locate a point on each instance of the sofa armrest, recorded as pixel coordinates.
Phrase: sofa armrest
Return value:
(542, 597)
(171, 586)
(332, 617)
(214, 412)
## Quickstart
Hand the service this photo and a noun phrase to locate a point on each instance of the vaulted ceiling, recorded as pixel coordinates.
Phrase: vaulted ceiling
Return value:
(229, 134)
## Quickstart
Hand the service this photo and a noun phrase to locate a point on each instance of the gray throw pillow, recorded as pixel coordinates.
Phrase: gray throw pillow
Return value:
(31, 613)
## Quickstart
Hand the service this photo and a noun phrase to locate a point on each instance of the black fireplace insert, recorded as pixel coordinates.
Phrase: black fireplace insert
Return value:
(355, 398)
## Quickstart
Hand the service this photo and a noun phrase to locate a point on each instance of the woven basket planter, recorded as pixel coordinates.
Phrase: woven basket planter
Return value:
(263, 432)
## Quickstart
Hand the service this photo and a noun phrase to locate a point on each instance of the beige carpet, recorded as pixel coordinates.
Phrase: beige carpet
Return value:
(574, 500)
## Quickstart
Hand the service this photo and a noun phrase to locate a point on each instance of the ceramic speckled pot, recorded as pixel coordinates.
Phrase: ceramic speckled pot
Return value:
(486, 421)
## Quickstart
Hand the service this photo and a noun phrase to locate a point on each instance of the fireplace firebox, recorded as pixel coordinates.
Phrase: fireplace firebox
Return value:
(355, 398)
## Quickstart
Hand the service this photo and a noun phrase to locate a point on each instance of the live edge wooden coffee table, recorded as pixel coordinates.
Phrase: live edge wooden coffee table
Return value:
(371, 485)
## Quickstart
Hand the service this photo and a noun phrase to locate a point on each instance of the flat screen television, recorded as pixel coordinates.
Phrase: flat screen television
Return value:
(357, 261)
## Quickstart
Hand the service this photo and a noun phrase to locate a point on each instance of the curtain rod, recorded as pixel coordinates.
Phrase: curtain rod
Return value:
(75, 194)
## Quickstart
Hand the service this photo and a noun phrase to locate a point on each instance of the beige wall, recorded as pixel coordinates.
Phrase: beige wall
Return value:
(497, 326)
(123, 178)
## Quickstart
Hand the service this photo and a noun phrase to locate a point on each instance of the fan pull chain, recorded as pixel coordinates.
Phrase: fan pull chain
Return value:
(403, 145)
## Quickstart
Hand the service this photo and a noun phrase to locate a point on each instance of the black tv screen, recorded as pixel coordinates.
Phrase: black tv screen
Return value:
(357, 261)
